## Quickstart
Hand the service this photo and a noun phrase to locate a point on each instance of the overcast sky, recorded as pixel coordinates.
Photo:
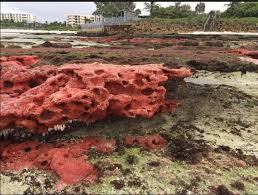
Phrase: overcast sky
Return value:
(56, 11)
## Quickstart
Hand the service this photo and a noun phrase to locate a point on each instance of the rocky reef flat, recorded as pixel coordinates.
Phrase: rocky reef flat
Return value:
(209, 145)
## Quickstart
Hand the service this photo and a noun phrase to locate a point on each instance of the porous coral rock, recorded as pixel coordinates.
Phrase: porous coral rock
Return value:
(22, 60)
(40, 98)
(67, 160)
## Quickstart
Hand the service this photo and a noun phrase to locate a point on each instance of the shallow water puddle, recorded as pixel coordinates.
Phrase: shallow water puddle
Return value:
(247, 83)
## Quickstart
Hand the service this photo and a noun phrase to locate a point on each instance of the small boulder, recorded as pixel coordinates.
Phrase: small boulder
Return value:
(55, 45)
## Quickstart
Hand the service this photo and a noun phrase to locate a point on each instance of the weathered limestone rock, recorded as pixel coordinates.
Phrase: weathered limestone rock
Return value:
(42, 99)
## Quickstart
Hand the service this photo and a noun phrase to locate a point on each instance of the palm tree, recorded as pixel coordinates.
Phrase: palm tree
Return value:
(149, 6)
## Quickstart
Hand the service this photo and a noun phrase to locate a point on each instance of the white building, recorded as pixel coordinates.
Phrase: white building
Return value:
(77, 19)
(28, 18)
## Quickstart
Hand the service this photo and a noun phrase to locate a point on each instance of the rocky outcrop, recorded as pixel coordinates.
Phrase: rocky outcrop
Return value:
(68, 160)
(46, 98)
(252, 54)
(19, 60)
(55, 45)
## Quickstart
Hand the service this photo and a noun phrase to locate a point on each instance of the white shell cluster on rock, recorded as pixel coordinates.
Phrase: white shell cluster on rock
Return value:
(6, 132)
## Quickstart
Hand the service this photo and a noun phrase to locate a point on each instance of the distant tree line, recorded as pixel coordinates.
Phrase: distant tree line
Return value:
(238, 9)
(178, 10)
(109, 9)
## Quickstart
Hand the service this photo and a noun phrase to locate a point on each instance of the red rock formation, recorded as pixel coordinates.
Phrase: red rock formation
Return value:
(42, 98)
(148, 142)
(67, 160)
(21, 60)
(252, 54)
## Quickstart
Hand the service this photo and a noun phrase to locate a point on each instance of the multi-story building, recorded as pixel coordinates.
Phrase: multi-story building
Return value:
(77, 19)
(28, 18)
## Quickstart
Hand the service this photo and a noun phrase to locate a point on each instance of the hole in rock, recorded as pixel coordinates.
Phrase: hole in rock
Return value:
(152, 103)
(78, 103)
(64, 118)
(59, 79)
(70, 73)
(154, 142)
(139, 82)
(44, 163)
(119, 75)
(114, 88)
(125, 82)
(38, 101)
(148, 78)
(33, 83)
(52, 83)
(94, 103)
(37, 146)
(127, 107)
(61, 105)
(96, 91)
(47, 114)
(139, 76)
(27, 149)
(98, 72)
(165, 71)
(8, 84)
(147, 91)
(135, 141)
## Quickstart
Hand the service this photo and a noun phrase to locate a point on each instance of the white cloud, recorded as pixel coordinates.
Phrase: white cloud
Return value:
(10, 8)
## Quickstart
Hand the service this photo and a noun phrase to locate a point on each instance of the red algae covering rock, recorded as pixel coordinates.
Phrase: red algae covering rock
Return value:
(67, 160)
(22, 60)
(148, 142)
(252, 54)
(42, 97)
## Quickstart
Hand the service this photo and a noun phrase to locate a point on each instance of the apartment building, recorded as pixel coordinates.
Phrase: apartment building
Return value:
(77, 19)
(18, 17)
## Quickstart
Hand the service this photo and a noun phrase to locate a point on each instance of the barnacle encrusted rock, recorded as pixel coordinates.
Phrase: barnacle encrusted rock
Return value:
(43, 98)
